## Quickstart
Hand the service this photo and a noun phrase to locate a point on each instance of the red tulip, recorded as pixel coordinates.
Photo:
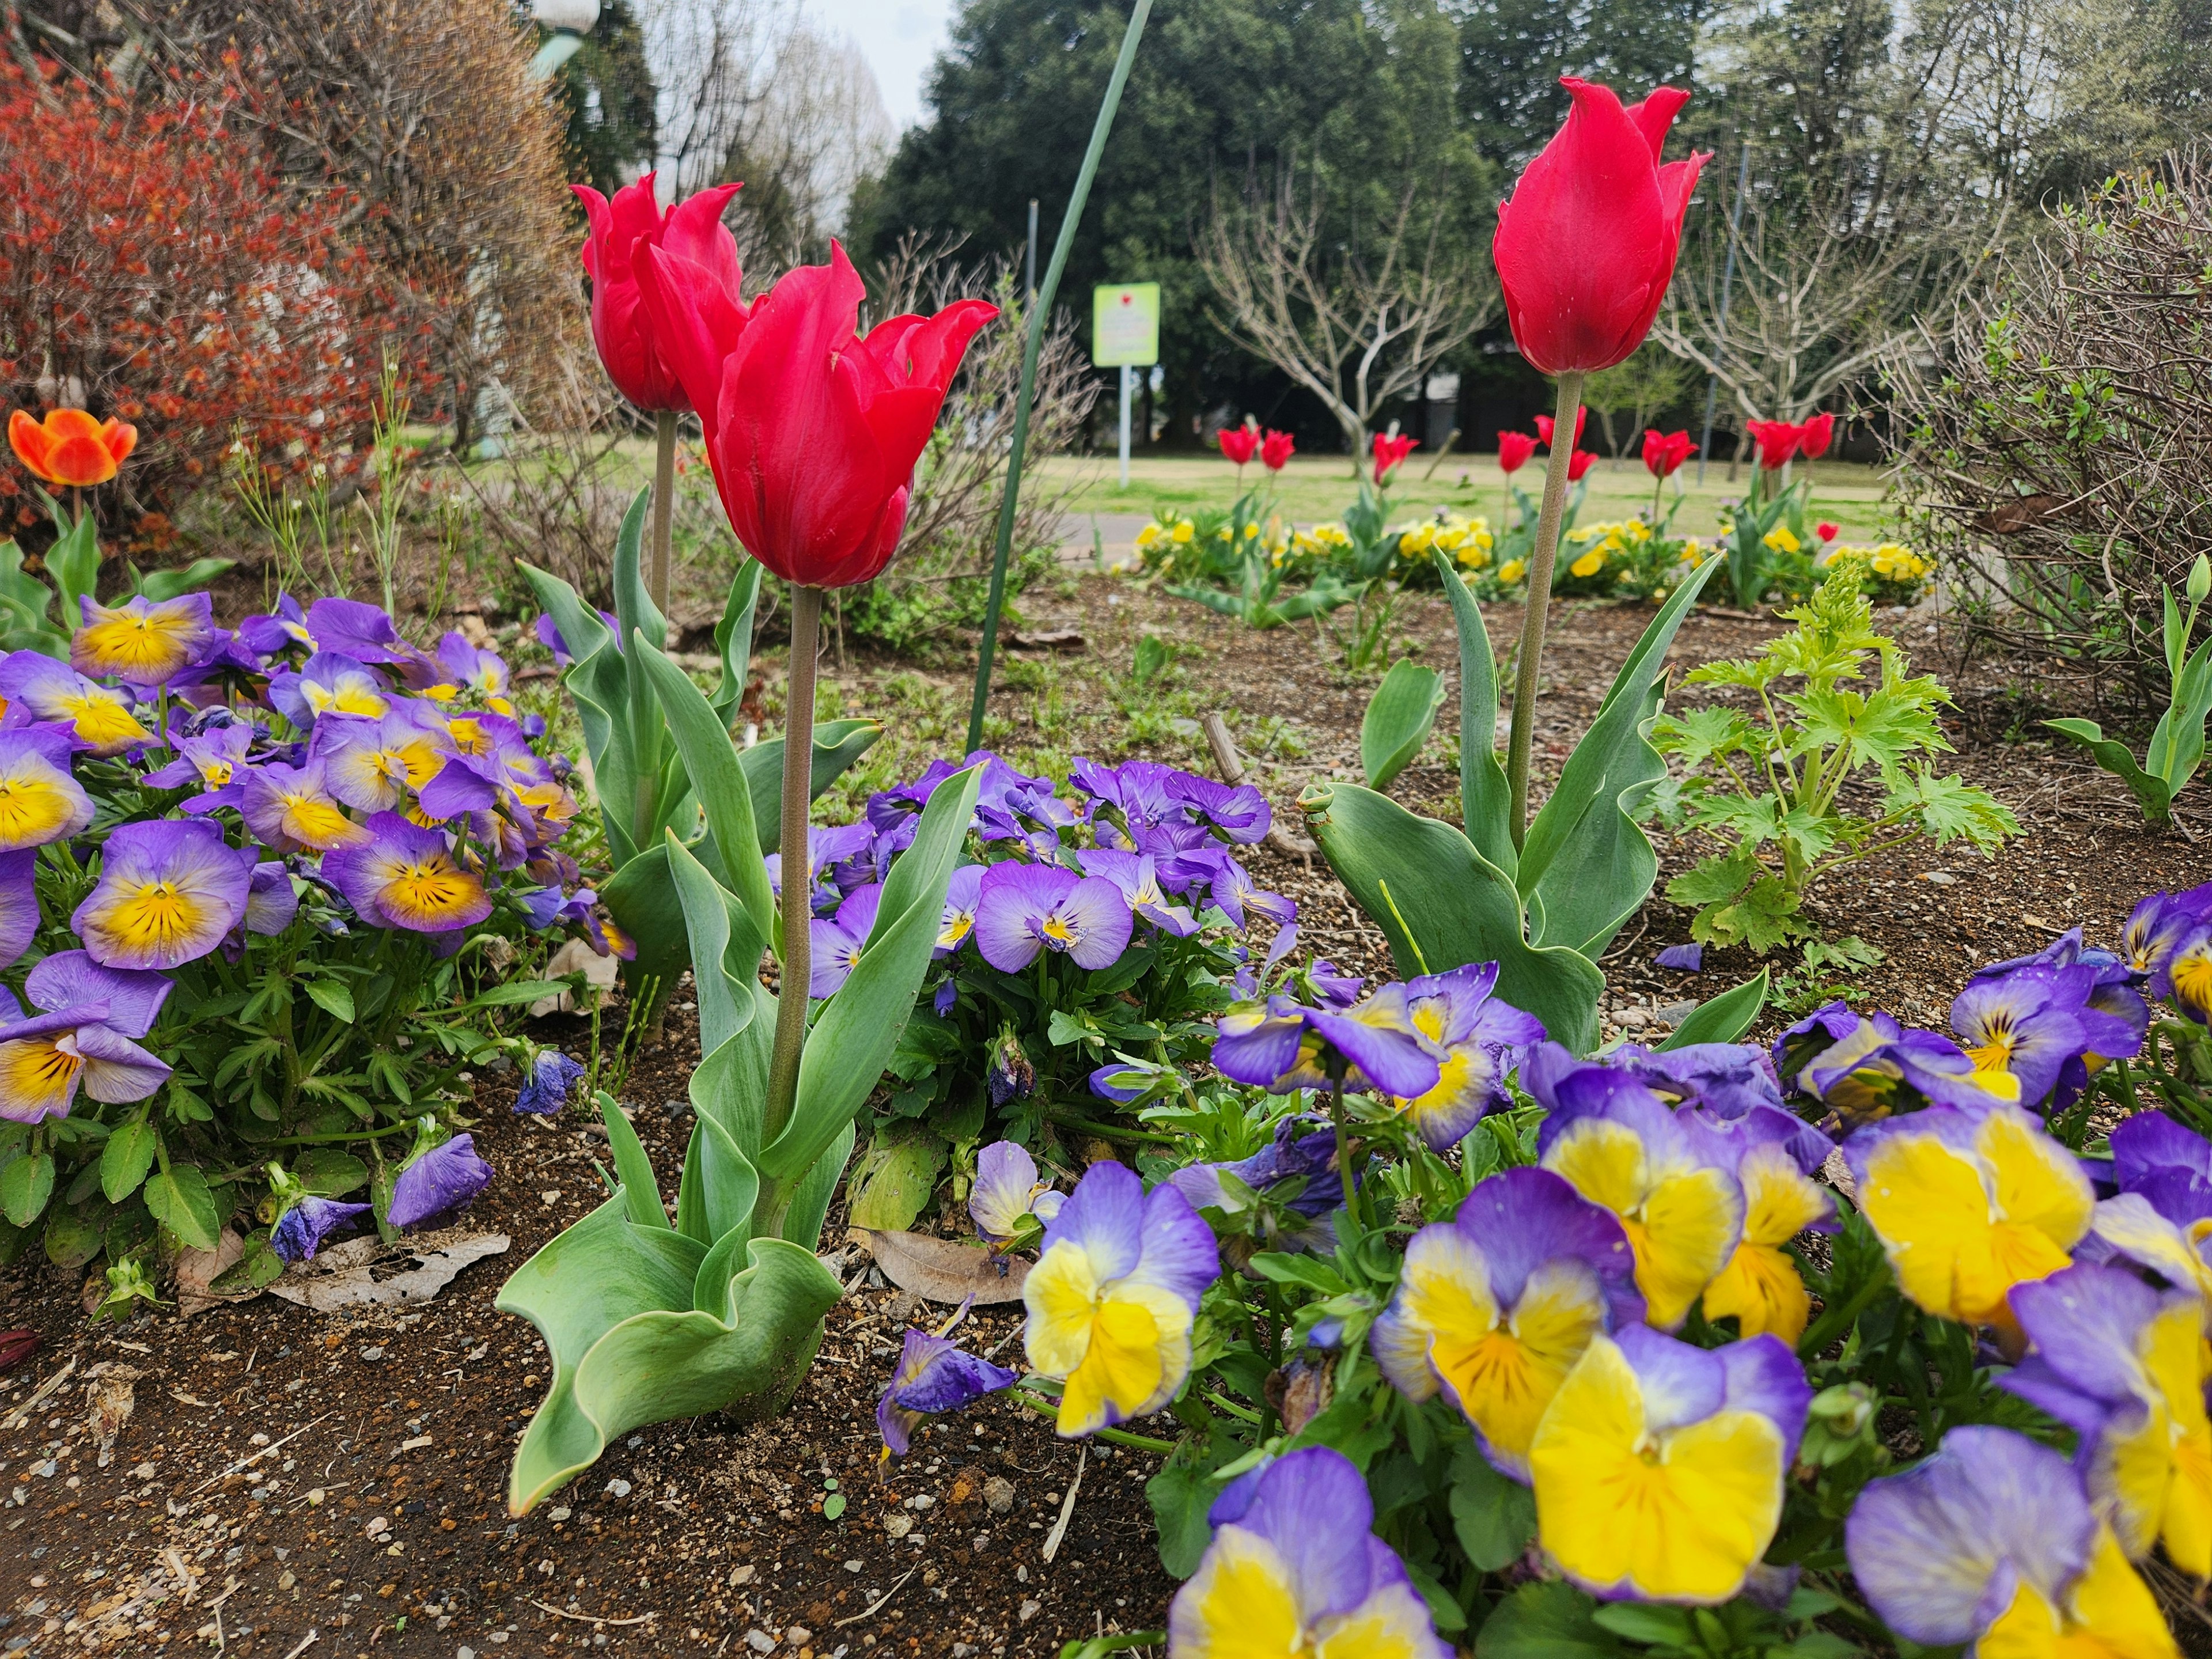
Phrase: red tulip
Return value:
(1826, 531)
(1579, 463)
(69, 447)
(1777, 442)
(1276, 450)
(1544, 424)
(1390, 453)
(1238, 442)
(1816, 434)
(1665, 452)
(813, 432)
(632, 343)
(1586, 247)
(1513, 449)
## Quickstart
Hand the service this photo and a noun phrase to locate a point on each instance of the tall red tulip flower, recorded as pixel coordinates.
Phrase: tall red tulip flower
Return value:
(1238, 444)
(813, 431)
(1778, 443)
(1585, 249)
(621, 326)
(637, 345)
(1276, 450)
(1544, 424)
(1665, 452)
(1580, 463)
(1390, 452)
(1513, 449)
(1815, 435)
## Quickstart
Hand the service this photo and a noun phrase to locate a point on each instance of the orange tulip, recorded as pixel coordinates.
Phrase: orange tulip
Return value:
(69, 447)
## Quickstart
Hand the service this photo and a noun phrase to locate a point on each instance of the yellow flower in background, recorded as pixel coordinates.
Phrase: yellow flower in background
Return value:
(1511, 571)
(1898, 563)
(1781, 540)
(1149, 534)
(1250, 531)
(1418, 539)
(1182, 532)
(1589, 564)
(1475, 555)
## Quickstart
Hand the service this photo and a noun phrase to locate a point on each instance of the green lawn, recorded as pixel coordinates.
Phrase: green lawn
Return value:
(1319, 488)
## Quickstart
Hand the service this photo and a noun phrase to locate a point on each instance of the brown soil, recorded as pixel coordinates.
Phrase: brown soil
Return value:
(702, 1536)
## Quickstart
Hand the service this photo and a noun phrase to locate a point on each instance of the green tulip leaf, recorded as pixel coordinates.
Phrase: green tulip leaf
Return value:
(837, 744)
(1399, 716)
(1485, 800)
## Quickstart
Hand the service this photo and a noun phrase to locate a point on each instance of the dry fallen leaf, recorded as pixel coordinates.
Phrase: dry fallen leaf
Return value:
(367, 1271)
(575, 958)
(197, 1269)
(111, 1391)
(944, 1269)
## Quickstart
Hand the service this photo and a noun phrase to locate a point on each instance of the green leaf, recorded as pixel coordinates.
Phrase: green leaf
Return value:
(1485, 802)
(1545, 1622)
(639, 1190)
(74, 563)
(159, 585)
(126, 1158)
(73, 1238)
(1399, 716)
(1715, 880)
(1494, 1517)
(733, 640)
(1645, 1624)
(833, 1506)
(1723, 1018)
(26, 1184)
(1179, 1494)
(331, 996)
(1448, 906)
(837, 744)
(895, 1177)
(505, 996)
(180, 1201)
(718, 782)
(330, 1172)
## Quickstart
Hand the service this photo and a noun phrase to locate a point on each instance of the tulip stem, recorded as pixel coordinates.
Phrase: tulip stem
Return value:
(664, 502)
(1541, 557)
(798, 863)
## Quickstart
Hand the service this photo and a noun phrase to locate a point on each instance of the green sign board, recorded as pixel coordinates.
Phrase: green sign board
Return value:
(1125, 326)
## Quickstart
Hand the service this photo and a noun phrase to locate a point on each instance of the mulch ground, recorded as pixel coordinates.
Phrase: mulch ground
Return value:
(283, 1473)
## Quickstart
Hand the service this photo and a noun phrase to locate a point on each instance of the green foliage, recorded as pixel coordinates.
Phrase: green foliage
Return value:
(1239, 575)
(1770, 783)
(2176, 745)
(1398, 719)
(29, 618)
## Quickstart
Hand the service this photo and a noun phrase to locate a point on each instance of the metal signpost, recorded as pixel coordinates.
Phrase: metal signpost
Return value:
(1125, 334)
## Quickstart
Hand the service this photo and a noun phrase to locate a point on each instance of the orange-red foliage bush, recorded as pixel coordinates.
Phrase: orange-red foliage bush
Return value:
(152, 267)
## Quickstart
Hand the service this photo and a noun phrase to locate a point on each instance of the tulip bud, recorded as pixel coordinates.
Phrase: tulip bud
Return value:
(2200, 580)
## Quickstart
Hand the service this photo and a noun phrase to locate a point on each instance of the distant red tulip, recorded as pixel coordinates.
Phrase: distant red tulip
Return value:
(1544, 424)
(1665, 452)
(1238, 443)
(1826, 531)
(69, 447)
(1579, 463)
(1390, 452)
(813, 432)
(631, 340)
(1777, 442)
(1587, 244)
(1513, 449)
(1276, 450)
(1818, 433)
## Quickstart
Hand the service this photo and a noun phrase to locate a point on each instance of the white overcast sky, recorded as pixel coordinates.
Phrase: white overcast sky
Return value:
(900, 38)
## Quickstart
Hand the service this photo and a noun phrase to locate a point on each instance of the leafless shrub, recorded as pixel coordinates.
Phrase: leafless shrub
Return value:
(2058, 456)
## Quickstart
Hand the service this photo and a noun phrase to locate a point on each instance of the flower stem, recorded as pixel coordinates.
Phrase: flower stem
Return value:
(664, 502)
(1144, 1442)
(797, 862)
(1541, 557)
(1343, 1141)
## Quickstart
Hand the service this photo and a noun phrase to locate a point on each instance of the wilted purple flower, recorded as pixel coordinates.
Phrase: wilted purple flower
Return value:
(553, 1076)
(436, 1182)
(1303, 1149)
(1007, 1073)
(329, 683)
(1007, 1189)
(355, 628)
(837, 942)
(1690, 958)
(168, 891)
(1726, 1079)
(1025, 908)
(826, 847)
(933, 1376)
(302, 1229)
(1282, 1044)
(1185, 854)
(901, 804)
(1133, 874)
(1134, 793)
(948, 994)
(1242, 814)
(549, 636)
(1328, 986)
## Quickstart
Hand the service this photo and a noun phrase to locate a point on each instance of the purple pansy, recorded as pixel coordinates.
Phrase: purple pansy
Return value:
(143, 643)
(1476, 1039)
(1027, 909)
(551, 1078)
(329, 683)
(1282, 1044)
(81, 1038)
(837, 941)
(435, 1182)
(19, 903)
(1007, 1189)
(302, 1230)
(933, 1376)
(1690, 958)
(213, 758)
(1134, 874)
(167, 893)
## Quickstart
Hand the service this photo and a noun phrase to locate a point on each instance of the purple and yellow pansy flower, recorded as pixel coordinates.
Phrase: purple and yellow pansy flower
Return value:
(1992, 1542)
(39, 800)
(81, 1038)
(2123, 1366)
(1024, 909)
(1295, 1569)
(374, 764)
(329, 683)
(961, 894)
(169, 891)
(1774, 1156)
(838, 940)
(405, 876)
(212, 758)
(934, 1375)
(142, 641)
(1113, 1296)
(101, 717)
(292, 810)
(1136, 875)
(1621, 1147)
(1968, 1204)
(1494, 1307)
(1281, 1044)
(1659, 1467)
(1476, 1039)
(1007, 1191)
(2162, 1217)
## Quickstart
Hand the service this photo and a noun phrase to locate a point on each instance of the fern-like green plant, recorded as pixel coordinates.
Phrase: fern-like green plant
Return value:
(1831, 700)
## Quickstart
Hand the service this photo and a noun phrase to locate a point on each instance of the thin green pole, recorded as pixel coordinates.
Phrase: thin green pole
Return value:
(1040, 309)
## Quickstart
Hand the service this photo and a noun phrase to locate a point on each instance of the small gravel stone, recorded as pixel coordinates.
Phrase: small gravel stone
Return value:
(998, 1494)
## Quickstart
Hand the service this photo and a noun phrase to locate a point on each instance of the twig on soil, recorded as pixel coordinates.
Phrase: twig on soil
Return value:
(306, 1642)
(877, 1606)
(592, 1617)
(1053, 1539)
(22, 1412)
(244, 1464)
(1230, 765)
